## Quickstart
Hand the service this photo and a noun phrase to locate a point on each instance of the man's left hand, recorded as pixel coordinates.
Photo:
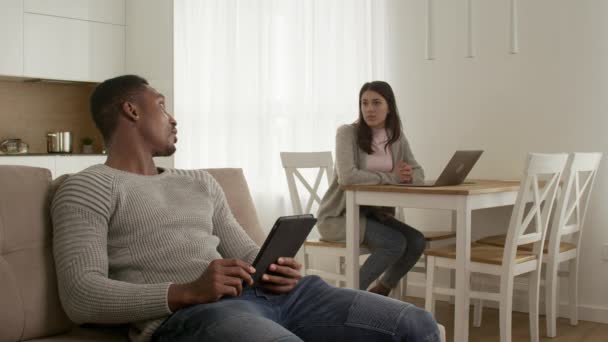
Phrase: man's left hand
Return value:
(285, 275)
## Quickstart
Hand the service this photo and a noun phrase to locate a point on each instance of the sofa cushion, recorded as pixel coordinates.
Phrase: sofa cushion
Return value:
(239, 199)
(28, 289)
(97, 334)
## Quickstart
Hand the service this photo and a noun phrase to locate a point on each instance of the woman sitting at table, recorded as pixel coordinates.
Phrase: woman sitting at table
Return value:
(374, 150)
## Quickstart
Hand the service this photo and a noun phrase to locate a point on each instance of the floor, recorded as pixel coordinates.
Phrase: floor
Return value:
(583, 332)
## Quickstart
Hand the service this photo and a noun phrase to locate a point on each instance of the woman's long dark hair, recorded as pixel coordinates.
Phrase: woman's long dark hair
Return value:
(392, 123)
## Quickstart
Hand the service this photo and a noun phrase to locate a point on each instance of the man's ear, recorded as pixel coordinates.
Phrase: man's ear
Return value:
(130, 110)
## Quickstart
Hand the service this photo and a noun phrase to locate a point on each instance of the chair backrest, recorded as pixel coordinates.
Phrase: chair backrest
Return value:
(292, 163)
(579, 177)
(539, 185)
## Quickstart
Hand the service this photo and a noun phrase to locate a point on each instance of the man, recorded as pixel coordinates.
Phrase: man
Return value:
(160, 249)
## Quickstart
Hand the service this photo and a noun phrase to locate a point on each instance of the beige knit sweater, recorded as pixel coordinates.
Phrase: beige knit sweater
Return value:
(120, 239)
(351, 168)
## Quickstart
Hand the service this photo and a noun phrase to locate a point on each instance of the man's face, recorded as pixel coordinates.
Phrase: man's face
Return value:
(156, 125)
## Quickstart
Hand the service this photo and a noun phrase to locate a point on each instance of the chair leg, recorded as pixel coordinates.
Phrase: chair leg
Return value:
(478, 305)
(441, 333)
(339, 269)
(426, 267)
(429, 300)
(551, 297)
(477, 312)
(304, 258)
(533, 297)
(403, 287)
(506, 307)
(396, 291)
(573, 291)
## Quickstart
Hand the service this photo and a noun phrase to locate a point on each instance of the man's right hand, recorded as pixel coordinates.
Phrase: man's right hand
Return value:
(223, 277)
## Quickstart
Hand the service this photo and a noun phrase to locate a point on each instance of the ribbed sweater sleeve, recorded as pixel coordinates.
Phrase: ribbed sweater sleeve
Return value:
(81, 211)
(408, 155)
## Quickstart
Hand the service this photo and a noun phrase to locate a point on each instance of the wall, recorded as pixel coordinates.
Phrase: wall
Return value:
(550, 97)
(149, 50)
(28, 110)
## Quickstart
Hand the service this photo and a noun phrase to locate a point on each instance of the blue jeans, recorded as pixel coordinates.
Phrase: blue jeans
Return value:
(313, 311)
(395, 246)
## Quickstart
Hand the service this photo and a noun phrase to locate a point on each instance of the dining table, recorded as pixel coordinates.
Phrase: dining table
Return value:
(461, 200)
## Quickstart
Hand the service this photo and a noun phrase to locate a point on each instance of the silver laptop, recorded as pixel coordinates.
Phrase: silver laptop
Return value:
(456, 171)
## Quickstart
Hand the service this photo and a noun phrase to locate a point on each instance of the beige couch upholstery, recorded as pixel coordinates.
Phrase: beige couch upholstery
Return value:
(29, 304)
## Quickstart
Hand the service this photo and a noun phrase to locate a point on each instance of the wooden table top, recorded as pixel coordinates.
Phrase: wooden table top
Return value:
(470, 187)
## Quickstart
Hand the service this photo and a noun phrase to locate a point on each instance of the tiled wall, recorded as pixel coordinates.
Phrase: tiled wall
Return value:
(28, 110)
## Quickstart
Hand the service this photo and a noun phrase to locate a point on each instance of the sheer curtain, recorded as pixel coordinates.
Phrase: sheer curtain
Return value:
(257, 77)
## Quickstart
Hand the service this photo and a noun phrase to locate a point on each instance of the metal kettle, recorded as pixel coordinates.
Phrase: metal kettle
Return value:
(59, 142)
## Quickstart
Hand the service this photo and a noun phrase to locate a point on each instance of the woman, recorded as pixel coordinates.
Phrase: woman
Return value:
(374, 150)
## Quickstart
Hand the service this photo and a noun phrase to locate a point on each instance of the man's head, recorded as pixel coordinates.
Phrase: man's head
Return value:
(129, 107)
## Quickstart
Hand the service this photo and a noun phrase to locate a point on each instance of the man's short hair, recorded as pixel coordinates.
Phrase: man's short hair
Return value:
(107, 100)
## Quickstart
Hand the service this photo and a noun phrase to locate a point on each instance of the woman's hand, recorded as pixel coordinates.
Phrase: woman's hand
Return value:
(403, 172)
(285, 276)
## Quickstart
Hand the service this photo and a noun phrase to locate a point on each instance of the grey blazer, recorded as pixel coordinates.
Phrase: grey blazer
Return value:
(351, 169)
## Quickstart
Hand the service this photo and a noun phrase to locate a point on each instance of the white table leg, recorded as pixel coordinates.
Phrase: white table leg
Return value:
(453, 226)
(463, 257)
(352, 241)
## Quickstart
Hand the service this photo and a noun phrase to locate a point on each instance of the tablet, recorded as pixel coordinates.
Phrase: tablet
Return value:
(284, 240)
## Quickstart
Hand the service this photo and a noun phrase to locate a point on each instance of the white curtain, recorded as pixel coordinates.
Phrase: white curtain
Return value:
(257, 77)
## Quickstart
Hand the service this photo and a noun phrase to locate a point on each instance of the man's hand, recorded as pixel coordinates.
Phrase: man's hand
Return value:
(223, 277)
(403, 172)
(285, 276)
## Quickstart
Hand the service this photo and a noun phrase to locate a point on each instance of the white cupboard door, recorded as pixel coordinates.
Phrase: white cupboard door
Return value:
(108, 51)
(70, 49)
(72, 164)
(11, 37)
(46, 162)
(56, 48)
(105, 11)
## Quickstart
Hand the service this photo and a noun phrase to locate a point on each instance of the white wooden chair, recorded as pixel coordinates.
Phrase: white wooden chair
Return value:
(572, 207)
(567, 224)
(323, 162)
(509, 262)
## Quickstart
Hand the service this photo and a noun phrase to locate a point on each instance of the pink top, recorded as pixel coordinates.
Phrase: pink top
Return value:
(381, 159)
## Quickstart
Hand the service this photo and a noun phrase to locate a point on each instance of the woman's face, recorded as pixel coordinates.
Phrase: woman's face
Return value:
(374, 109)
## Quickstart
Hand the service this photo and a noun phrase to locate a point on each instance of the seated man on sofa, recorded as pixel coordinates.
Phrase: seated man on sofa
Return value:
(160, 249)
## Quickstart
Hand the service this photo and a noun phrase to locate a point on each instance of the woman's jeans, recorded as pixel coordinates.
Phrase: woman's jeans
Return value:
(313, 311)
(395, 246)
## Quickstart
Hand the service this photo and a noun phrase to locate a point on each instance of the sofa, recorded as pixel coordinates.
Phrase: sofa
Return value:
(30, 309)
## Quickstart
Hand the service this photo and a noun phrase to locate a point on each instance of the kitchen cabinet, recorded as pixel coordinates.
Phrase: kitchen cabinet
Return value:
(104, 11)
(72, 49)
(63, 164)
(11, 33)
